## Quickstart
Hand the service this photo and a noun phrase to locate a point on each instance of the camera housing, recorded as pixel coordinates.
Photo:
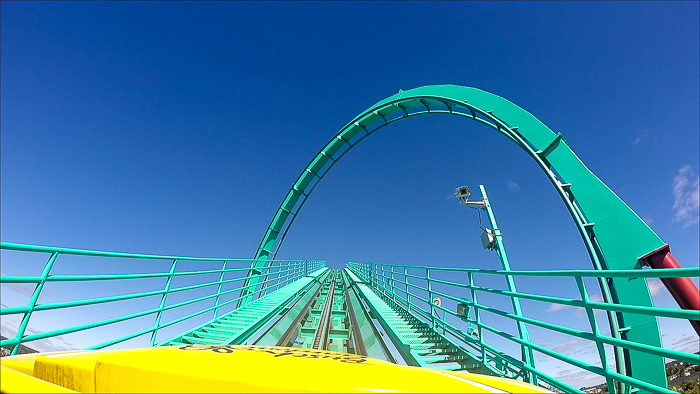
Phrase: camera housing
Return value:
(462, 194)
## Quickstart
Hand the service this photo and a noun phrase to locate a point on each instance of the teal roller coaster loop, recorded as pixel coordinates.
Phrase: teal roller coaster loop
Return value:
(614, 236)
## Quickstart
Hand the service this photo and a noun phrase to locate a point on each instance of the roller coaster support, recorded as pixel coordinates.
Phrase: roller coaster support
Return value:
(527, 355)
(683, 290)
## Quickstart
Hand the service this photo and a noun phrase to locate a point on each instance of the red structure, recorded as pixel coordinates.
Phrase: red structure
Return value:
(683, 290)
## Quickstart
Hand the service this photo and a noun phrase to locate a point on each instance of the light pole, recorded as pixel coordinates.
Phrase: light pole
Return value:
(492, 239)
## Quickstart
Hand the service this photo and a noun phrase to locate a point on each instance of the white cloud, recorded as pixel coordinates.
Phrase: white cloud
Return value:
(20, 288)
(643, 136)
(654, 285)
(512, 186)
(53, 344)
(580, 378)
(565, 347)
(557, 307)
(687, 343)
(596, 298)
(686, 193)
(580, 312)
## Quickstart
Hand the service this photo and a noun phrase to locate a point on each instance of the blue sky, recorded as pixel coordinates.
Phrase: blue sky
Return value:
(177, 128)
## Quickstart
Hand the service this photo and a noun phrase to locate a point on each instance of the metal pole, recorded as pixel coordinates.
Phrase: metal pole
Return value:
(156, 325)
(528, 357)
(683, 290)
(32, 302)
(218, 290)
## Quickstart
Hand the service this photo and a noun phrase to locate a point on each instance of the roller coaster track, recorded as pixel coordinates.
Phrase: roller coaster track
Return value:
(388, 312)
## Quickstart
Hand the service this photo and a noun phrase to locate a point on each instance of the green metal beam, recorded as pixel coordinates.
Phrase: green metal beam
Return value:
(527, 355)
(374, 344)
(281, 331)
(615, 237)
(237, 326)
(391, 283)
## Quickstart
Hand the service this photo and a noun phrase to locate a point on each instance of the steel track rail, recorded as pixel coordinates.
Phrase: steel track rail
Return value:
(321, 336)
(284, 340)
(356, 334)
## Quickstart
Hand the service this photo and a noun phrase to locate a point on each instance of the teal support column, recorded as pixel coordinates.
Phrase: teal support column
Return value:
(528, 357)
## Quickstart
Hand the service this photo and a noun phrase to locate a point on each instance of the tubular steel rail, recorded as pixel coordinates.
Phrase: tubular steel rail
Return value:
(275, 276)
(323, 325)
(414, 287)
(462, 318)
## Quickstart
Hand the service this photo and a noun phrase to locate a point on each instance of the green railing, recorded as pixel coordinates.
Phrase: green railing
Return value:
(220, 287)
(414, 288)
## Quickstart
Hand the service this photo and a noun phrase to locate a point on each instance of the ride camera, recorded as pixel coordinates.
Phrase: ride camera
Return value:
(462, 194)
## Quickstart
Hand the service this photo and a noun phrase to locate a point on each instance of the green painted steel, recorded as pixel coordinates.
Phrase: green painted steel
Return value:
(324, 321)
(399, 297)
(419, 344)
(407, 286)
(374, 344)
(237, 326)
(165, 295)
(309, 326)
(527, 356)
(327, 316)
(615, 237)
(280, 277)
(281, 330)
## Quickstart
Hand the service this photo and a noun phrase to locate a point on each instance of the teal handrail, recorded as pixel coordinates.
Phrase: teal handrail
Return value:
(407, 285)
(277, 274)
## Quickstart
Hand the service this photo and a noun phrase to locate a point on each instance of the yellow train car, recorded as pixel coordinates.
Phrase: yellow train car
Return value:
(234, 369)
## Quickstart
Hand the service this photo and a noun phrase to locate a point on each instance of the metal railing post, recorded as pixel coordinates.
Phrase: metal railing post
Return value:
(391, 284)
(278, 278)
(263, 286)
(156, 325)
(596, 333)
(429, 286)
(218, 290)
(32, 302)
(477, 317)
(408, 290)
